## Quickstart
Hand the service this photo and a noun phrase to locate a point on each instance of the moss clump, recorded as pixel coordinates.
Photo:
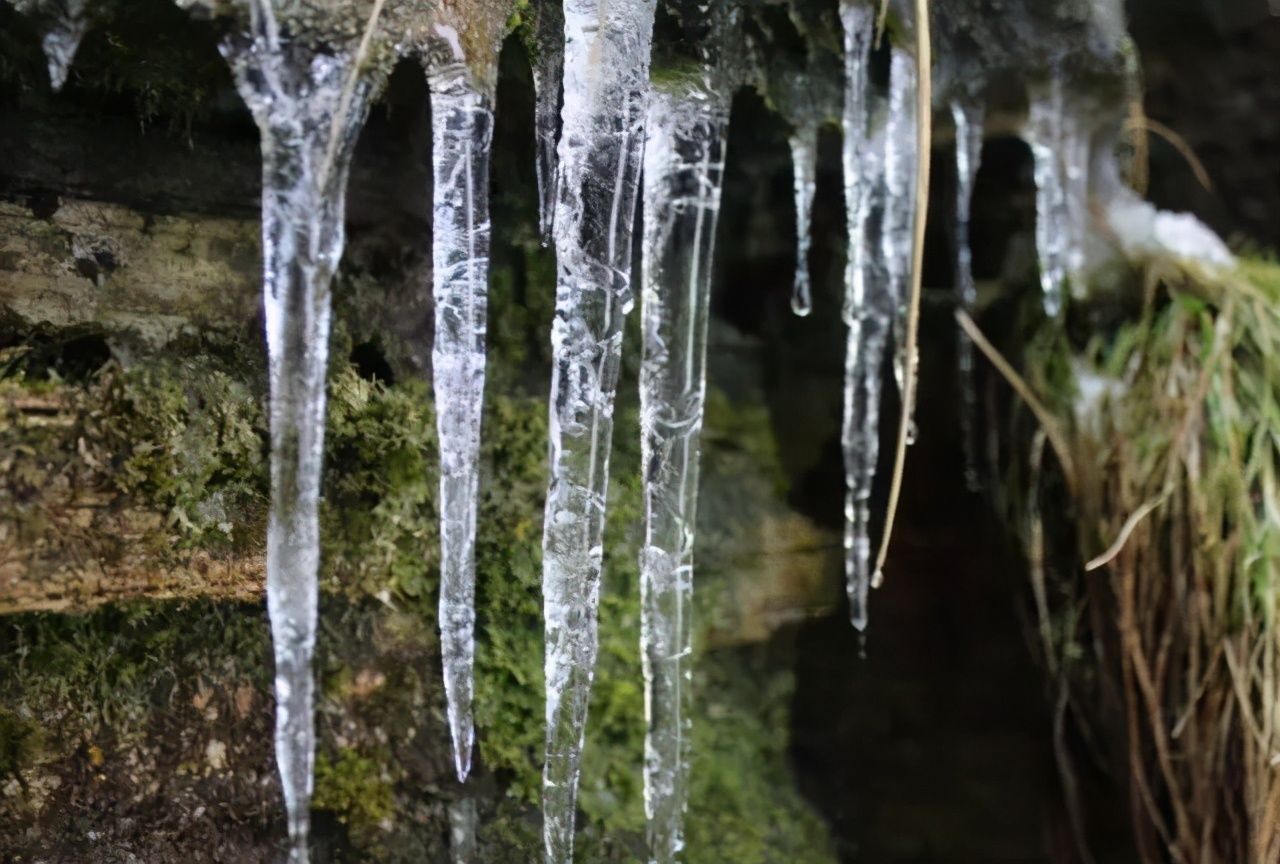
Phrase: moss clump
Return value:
(185, 435)
(379, 522)
(1161, 457)
(20, 744)
(357, 790)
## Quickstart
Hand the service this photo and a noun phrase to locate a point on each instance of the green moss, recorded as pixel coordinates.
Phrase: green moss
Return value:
(357, 790)
(379, 520)
(20, 744)
(105, 673)
(188, 436)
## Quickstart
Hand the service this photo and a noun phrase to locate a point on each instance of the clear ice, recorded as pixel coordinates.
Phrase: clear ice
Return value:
(548, 79)
(309, 107)
(66, 24)
(683, 167)
(901, 146)
(606, 83)
(969, 116)
(462, 130)
(870, 300)
(462, 832)
(804, 167)
(1060, 144)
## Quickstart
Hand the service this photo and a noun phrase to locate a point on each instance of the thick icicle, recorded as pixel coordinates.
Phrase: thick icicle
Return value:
(969, 114)
(606, 79)
(900, 195)
(1060, 146)
(462, 129)
(804, 167)
(65, 24)
(870, 302)
(548, 78)
(309, 107)
(683, 166)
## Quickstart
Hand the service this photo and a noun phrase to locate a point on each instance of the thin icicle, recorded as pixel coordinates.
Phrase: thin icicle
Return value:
(804, 167)
(969, 115)
(309, 107)
(548, 79)
(462, 130)
(900, 195)
(870, 302)
(606, 77)
(1060, 146)
(683, 167)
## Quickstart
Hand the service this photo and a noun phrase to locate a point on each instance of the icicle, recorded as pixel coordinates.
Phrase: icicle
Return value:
(870, 302)
(804, 166)
(548, 74)
(606, 73)
(462, 129)
(683, 166)
(900, 195)
(462, 832)
(65, 24)
(1060, 146)
(62, 39)
(309, 107)
(969, 116)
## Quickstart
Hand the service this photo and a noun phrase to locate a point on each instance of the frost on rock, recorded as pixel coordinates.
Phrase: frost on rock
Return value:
(1059, 143)
(870, 303)
(683, 168)
(968, 114)
(901, 146)
(65, 24)
(309, 106)
(804, 166)
(548, 78)
(606, 80)
(462, 130)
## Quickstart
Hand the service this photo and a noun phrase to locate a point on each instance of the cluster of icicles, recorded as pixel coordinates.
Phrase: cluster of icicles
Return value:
(601, 128)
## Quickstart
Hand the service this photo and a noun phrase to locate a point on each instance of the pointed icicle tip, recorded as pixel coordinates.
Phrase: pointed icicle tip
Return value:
(60, 45)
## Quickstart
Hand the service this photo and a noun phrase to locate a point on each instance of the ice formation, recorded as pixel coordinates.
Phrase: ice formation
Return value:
(683, 167)
(804, 165)
(870, 304)
(591, 76)
(462, 130)
(548, 80)
(309, 107)
(1059, 141)
(968, 114)
(898, 234)
(65, 26)
(606, 82)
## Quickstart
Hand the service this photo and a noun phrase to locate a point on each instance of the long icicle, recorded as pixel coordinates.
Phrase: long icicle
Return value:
(869, 302)
(683, 169)
(901, 145)
(309, 107)
(606, 81)
(804, 167)
(968, 113)
(462, 131)
(924, 149)
(548, 79)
